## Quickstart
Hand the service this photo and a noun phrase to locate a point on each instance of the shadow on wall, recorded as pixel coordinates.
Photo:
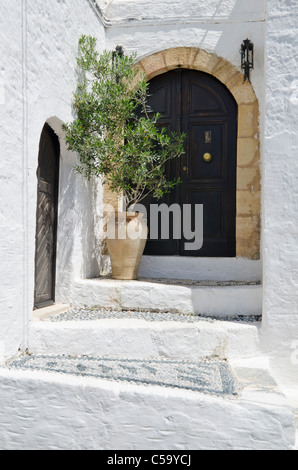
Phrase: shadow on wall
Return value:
(79, 221)
(217, 10)
(89, 219)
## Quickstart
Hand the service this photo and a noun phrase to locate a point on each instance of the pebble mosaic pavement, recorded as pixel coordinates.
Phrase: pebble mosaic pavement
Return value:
(213, 377)
(89, 314)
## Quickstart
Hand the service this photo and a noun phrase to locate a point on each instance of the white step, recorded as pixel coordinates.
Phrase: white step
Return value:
(216, 298)
(142, 335)
(187, 267)
(45, 409)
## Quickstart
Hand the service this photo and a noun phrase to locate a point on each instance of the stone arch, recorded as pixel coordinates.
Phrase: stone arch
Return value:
(248, 203)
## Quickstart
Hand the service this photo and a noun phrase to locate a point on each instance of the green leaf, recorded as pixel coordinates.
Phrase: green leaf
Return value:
(111, 136)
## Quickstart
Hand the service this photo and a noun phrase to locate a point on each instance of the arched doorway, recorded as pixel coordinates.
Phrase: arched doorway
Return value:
(198, 104)
(46, 218)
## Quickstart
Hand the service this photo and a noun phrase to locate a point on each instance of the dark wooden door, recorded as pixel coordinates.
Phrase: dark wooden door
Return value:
(199, 105)
(46, 219)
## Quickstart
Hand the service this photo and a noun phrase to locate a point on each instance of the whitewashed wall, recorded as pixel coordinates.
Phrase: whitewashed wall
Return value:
(12, 173)
(216, 26)
(38, 45)
(280, 190)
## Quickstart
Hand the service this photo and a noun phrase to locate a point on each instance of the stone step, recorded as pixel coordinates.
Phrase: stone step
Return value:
(92, 403)
(187, 267)
(141, 335)
(205, 298)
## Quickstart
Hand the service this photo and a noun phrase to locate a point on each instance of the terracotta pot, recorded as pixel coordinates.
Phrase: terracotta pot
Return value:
(126, 241)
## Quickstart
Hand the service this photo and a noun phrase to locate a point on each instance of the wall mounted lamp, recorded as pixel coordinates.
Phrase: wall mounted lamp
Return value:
(247, 58)
(119, 52)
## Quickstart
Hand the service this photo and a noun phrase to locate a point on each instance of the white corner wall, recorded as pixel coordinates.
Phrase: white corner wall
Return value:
(13, 172)
(280, 191)
(39, 43)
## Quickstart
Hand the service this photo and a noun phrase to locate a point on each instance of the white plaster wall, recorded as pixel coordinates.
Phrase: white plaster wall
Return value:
(36, 82)
(215, 26)
(44, 411)
(12, 174)
(38, 46)
(192, 10)
(280, 191)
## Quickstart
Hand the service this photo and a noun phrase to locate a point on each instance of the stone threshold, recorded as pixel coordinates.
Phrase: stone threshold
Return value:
(48, 312)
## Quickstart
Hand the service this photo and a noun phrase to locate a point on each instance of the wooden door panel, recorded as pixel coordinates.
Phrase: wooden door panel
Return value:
(199, 105)
(161, 101)
(44, 249)
(213, 201)
(165, 100)
(46, 219)
(202, 100)
(217, 229)
(207, 138)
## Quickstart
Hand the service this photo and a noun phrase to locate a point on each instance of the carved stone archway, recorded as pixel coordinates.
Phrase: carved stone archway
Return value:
(248, 141)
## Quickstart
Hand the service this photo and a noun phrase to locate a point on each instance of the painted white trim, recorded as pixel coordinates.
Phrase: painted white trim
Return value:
(109, 22)
(99, 13)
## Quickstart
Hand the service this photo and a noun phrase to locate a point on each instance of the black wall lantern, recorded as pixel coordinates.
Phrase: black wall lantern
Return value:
(247, 58)
(118, 52)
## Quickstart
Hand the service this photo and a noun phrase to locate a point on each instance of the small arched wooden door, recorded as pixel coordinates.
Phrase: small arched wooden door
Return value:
(199, 105)
(46, 218)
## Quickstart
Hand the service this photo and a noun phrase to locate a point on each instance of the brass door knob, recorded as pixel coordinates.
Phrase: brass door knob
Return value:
(185, 168)
(207, 157)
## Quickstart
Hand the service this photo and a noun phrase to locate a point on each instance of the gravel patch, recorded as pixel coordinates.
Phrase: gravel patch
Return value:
(186, 282)
(91, 314)
(213, 377)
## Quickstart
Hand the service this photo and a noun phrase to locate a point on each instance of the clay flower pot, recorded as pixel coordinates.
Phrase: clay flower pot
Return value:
(126, 240)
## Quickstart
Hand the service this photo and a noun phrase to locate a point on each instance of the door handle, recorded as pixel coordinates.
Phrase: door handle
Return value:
(207, 157)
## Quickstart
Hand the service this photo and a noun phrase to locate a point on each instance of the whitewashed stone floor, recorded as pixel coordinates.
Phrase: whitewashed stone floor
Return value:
(97, 385)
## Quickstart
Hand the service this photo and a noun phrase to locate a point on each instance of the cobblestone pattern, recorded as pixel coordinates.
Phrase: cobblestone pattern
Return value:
(92, 314)
(210, 377)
